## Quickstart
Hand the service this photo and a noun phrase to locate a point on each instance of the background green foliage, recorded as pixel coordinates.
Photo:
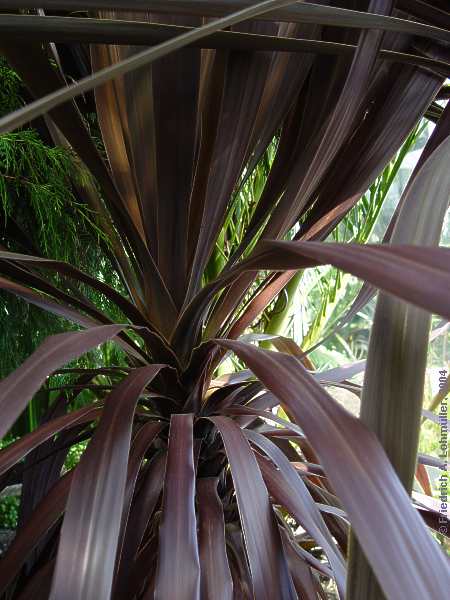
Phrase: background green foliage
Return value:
(9, 88)
(9, 512)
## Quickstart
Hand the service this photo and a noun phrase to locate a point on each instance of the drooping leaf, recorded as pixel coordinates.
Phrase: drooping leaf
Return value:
(13, 453)
(178, 530)
(215, 572)
(47, 513)
(96, 496)
(17, 389)
(287, 487)
(391, 401)
(270, 575)
(361, 475)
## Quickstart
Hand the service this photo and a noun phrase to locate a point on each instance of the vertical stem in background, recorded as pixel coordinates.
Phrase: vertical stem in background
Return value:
(32, 417)
(392, 396)
(218, 258)
(279, 319)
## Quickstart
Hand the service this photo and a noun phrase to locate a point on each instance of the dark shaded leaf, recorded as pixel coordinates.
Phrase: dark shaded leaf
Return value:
(268, 567)
(44, 517)
(288, 489)
(178, 530)
(141, 513)
(216, 578)
(302, 577)
(17, 389)
(128, 308)
(10, 455)
(40, 107)
(97, 496)
(299, 13)
(139, 447)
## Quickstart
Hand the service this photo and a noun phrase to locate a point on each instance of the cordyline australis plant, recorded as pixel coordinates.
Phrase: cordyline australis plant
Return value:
(190, 487)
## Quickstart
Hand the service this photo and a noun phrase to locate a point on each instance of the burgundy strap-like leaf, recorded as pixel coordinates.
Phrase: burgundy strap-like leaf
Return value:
(141, 442)
(46, 514)
(287, 487)
(363, 478)
(216, 580)
(293, 428)
(58, 266)
(65, 310)
(17, 389)
(86, 555)
(268, 566)
(296, 13)
(10, 455)
(303, 579)
(61, 96)
(418, 274)
(141, 513)
(178, 572)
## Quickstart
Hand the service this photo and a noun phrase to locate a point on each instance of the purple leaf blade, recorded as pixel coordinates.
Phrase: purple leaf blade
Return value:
(96, 499)
(178, 572)
(216, 577)
(268, 566)
(17, 389)
(363, 478)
